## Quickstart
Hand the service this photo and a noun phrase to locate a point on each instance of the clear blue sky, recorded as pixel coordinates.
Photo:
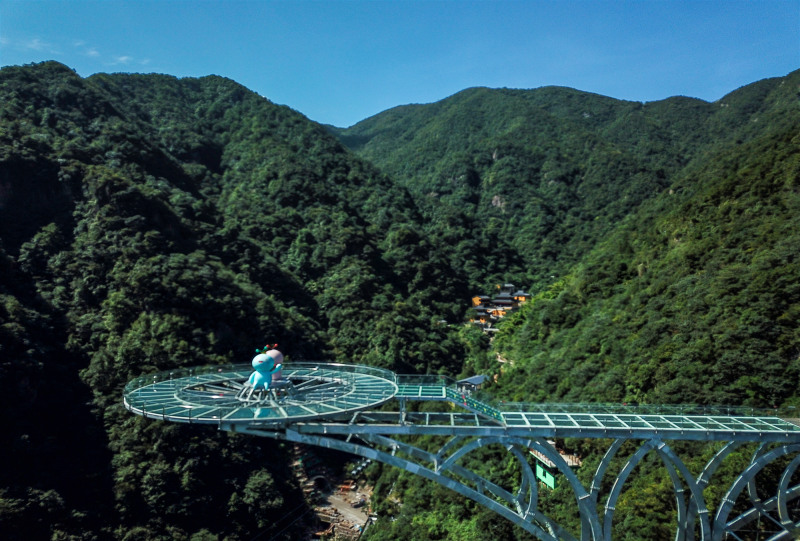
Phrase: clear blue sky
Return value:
(340, 61)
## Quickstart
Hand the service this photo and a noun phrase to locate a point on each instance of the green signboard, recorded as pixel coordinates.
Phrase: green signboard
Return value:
(545, 476)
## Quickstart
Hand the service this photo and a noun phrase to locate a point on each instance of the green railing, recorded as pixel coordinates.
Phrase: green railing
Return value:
(181, 394)
(177, 373)
(476, 401)
(643, 409)
(466, 400)
(482, 402)
(428, 380)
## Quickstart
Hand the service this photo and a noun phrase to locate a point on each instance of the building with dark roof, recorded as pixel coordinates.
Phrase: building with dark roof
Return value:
(472, 383)
(487, 310)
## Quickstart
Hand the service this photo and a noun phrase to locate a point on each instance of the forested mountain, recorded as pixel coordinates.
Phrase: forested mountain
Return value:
(546, 173)
(694, 298)
(149, 222)
(661, 239)
(681, 216)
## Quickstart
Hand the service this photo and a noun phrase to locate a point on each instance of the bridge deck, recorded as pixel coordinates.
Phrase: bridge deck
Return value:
(208, 396)
(611, 421)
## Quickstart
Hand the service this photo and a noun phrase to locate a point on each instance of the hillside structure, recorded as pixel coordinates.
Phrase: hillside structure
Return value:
(488, 310)
(343, 407)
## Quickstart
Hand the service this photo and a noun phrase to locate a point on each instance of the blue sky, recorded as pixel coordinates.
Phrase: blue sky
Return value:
(340, 61)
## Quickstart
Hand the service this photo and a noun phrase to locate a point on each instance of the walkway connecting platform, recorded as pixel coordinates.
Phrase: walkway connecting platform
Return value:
(364, 411)
(686, 422)
(335, 392)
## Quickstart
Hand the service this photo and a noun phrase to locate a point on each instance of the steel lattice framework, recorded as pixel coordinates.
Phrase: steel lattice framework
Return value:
(336, 407)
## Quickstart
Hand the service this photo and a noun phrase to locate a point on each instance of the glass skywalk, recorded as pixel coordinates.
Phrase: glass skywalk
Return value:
(333, 393)
(209, 395)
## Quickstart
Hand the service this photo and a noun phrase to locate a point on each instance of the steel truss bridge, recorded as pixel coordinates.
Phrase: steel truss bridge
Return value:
(366, 411)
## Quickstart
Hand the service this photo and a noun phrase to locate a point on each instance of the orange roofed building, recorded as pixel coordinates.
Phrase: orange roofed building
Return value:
(487, 310)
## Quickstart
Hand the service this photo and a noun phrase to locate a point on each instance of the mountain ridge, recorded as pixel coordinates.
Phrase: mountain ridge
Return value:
(150, 222)
(479, 136)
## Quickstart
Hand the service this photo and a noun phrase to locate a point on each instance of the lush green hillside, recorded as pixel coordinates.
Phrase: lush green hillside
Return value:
(149, 222)
(694, 298)
(671, 273)
(547, 173)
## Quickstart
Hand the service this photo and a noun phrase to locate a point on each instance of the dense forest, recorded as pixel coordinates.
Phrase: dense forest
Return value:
(149, 222)
(661, 237)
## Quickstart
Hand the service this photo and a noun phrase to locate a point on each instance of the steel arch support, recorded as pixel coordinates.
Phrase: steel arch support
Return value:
(597, 480)
(783, 494)
(528, 482)
(633, 461)
(586, 506)
(521, 506)
(696, 492)
(674, 465)
(680, 499)
(449, 465)
(767, 506)
(721, 518)
(527, 485)
(704, 478)
(542, 446)
(451, 443)
(467, 448)
(513, 444)
(752, 489)
(708, 471)
(441, 468)
(417, 469)
(528, 479)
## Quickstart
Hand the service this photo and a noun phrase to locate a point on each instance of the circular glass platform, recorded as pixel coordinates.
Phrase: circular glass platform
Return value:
(219, 394)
